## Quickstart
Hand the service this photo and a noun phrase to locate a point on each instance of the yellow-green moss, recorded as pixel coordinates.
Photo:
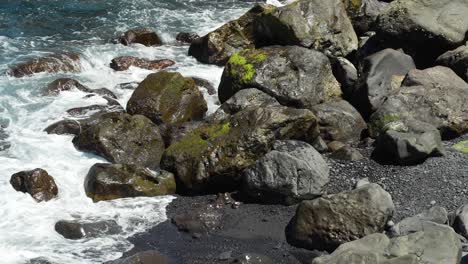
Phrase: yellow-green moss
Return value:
(462, 146)
(242, 63)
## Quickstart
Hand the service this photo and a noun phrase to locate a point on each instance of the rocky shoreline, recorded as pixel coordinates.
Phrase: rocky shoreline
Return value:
(341, 137)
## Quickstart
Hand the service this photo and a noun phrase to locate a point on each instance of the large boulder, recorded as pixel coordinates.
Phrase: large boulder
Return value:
(290, 172)
(59, 62)
(457, 60)
(122, 138)
(339, 121)
(408, 143)
(363, 13)
(415, 223)
(123, 63)
(142, 36)
(295, 76)
(213, 156)
(38, 183)
(113, 181)
(315, 24)
(434, 244)
(329, 221)
(380, 74)
(168, 97)
(424, 29)
(435, 95)
(79, 229)
(217, 46)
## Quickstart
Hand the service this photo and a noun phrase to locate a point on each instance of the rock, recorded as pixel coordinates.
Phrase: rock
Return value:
(315, 24)
(457, 60)
(4, 144)
(320, 145)
(111, 106)
(381, 73)
(202, 219)
(38, 183)
(293, 75)
(339, 121)
(205, 84)
(113, 181)
(461, 146)
(217, 46)
(347, 153)
(104, 92)
(60, 62)
(174, 132)
(40, 260)
(128, 86)
(424, 29)
(142, 36)
(186, 37)
(461, 220)
(125, 62)
(346, 74)
(213, 156)
(290, 172)
(252, 258)
(68, 84)
(64, 127)
(408, 144)
(121, 138)
(335, 146)
(78, 230)
(363, 13)
(435, 244)
(242, 99)
(435, 95)
(145, 257)
(415, 223)
(329, 221)
(168, 97)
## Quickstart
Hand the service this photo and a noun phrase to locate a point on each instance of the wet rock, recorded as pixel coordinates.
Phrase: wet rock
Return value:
(213, 156)
(121, 138)
(316, 24)
(347, 153)
(64, 127)
(252, 258)
(128, 86)
(142, 36)
(39, 260)
(125, 62)
(415, 223)
(168, 97)
(435, 95)
(4, 144)
(217, 46)
(363, 13)
(38, 183)
(329, 221)
(295, 76)
(339, 121)
(186, 37)
(78, 230)
(381, 73)
(290, 172)
(457, 60)
(68, 84)
(205, 84)
(60, 62)
(113, 181)
(111, 106)
(409, 143)
(174, 132)
(146, 257)
(424, 29)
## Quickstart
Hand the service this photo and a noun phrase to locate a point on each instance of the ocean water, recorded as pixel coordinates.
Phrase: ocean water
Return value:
(30, 28)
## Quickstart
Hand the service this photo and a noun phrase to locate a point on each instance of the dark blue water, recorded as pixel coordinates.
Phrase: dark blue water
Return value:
(39, 27)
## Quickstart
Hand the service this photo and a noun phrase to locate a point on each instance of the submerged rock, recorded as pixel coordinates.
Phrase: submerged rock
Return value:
(290, 172)
(38, 183)
(168, 97)
(217, 46)
(79, 230)
(125, 62)
(213, 156)
(121, 138)
(68, 84)
(64, 127)
(187, 37)
(294, 76)
(315, 24)
(332, 220)
(113, 181)
(59, 62)
(142, 36)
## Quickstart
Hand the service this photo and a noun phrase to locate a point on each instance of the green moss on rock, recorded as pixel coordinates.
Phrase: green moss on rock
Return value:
(462, 146)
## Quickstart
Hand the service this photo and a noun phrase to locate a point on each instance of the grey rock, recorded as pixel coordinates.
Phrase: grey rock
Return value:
(290, 172)
(457, 60)
(363, 13)
(346, 74)
(187, 37)
(78, 230)
(414, 224)
(347, 153)
(64, 127)
(461, 220)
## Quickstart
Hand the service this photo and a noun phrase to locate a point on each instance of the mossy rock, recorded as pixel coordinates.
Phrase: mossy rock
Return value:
(168, 97)
(461, 146)
(212, 157)
(114, 181)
